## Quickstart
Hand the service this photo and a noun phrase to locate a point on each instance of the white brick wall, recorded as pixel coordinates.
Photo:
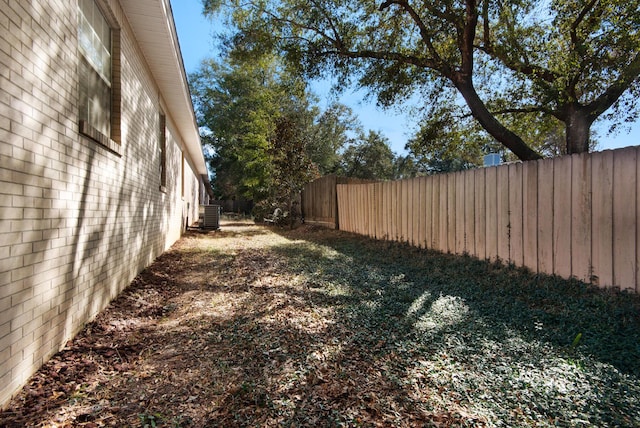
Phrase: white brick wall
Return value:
(77, 221)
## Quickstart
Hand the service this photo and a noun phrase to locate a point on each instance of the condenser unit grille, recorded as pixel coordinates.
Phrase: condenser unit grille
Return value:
(211, 219)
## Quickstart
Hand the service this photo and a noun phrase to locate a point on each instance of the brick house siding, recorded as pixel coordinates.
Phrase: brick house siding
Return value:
(79, 219)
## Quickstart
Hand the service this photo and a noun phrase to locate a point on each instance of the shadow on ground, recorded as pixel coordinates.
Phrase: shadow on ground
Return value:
(254, 326)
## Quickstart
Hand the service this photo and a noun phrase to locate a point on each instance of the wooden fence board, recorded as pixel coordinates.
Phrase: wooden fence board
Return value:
(380, 224)
(545, 215)
(637, 285)
(480, 214)
(400, 213)
(350, 196)
(562, 216)
(417, 211)
(378, 193)
(581, 217)
(469, 213)
(369, 213)
(443, 227)
(502, 188)
(491, 196)
(515, 215)
(637, 271)
(392, 210)
(367, 209)
(422, 207)
(602, 217)
(435, 214)
(428, 204)
(624, 225)
(460, 212)
(361, 217)
(410, 205)
(389, 208)
(341, 204)
(451, 213)
(530, 214)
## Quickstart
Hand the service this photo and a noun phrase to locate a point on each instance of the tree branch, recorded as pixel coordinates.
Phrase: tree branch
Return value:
(616, 89)
(519, 66)
(383, 55)
(521, 110)
(583, 13)
(425, 35)
(468, 36)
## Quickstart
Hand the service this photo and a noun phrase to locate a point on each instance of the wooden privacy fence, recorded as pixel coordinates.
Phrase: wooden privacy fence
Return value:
(574, 216)
(320, 202)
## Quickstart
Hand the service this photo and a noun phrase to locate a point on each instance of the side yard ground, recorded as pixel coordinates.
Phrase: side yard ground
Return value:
(257, 327)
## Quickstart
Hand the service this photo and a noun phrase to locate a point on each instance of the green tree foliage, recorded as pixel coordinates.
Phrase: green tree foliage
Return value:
(330, 135)
(369, 158)
(292, 167)
(264, 136)
(530, 58)
(237, 104)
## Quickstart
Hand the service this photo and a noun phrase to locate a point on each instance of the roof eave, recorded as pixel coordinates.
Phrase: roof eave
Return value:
(155, 31)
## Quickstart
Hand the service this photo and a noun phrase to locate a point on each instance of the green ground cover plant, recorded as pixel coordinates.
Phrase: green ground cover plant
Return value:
(255, 326)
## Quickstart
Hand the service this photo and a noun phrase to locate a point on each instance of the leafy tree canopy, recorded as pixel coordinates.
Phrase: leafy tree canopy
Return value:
(507, 60)
(264, 134)
(370, 157)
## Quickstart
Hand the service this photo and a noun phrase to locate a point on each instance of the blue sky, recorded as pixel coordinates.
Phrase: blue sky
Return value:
(196, 35)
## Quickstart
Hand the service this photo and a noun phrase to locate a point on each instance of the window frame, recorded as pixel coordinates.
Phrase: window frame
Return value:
(162, 143)
(113, 140)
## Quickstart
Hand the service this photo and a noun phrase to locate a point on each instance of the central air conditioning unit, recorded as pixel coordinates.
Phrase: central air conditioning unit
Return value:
(209, 216)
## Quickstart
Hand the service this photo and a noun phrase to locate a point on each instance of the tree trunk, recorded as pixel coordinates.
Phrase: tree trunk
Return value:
(578, 125)
(488, 121)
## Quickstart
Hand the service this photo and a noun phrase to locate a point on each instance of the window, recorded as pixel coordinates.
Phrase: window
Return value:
(162, 143)
(99, 88)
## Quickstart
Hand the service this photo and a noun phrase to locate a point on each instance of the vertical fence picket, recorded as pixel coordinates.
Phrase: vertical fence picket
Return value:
(373, 210)
(469, 213)
(562, 216)
(602, 218)
(581, 217)
(502, 199)
(480, 213)
(377, 200)
(435, 213)
(530, 214)
(405, 210)
(460, 211)
(416, 197)
(428, 195)
(394, 211)
(545, 215)
(341, 207)
(421, 212)
(387, 209)
(410, 205)
(443, 240)
(624, 225)
(637, 270)
(451, 212)
(491, 196)
(515, 214)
